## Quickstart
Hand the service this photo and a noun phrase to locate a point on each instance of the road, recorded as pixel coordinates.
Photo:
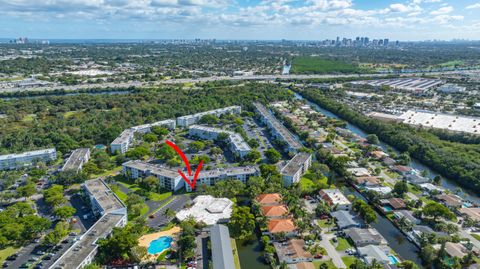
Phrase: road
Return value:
(331, 251)
(176, 204)
(209, 79)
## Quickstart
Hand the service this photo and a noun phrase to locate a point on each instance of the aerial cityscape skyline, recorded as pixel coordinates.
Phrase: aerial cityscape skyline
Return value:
(412, 20)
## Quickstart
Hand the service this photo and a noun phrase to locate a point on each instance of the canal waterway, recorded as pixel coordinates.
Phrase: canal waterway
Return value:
(445, 183)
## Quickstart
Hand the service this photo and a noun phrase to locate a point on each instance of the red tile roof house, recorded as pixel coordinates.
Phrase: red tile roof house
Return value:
(269, 199)
(277, 226)
(275, 211)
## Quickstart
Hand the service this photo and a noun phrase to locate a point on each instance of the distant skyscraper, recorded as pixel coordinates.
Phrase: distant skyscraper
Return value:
(385, 42)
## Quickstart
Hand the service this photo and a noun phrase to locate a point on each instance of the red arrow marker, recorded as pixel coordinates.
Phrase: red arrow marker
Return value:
(192, 184)
(187, 164)
(182, 155)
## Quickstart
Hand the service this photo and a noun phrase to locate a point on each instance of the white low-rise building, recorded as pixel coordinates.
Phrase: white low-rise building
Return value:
(236, 143)
(112, 213)
(208, 209)
(26, 159)
(335, 199)
(188, 120)
(169, 179)
(123, 142)
(77, 159)
(296, 168)
(277, 129)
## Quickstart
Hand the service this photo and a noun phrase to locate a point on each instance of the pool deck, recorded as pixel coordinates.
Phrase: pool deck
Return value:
(145, 240)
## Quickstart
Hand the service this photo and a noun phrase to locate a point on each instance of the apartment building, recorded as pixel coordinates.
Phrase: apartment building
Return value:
(123, 142)
(147, 128)
(77, 159)
(188, 120)
(295, 168)
(210, 177)
(236, 143)
(277, 129)
(169, 178)
(112, 213)
(26, 159)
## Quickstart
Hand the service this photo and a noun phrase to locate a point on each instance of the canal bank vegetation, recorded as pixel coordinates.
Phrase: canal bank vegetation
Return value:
(457, 161)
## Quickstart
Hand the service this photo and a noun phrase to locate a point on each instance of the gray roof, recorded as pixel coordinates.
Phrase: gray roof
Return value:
(222, 253)
(373, 252)
(344, 219)
(28, 154)
(76, 159)
(295, 164)
(362, 236)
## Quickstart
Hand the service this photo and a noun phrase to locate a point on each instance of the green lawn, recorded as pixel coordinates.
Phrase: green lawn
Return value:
(236, 259)
(29, 118)
(144, 210)
(121, 195)
(323, 224)
(4, 253)
(329, 263)
(342, 244)
(348, 260)
(476, 236)
(159, 196)
(107, 173)
(316, 65)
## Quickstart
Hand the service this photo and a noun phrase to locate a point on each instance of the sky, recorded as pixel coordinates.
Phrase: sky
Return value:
(240, 19)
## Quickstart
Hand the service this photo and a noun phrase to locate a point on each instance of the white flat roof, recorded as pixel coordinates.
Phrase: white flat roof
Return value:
(207, 209)
(430, 119)
(28, 154)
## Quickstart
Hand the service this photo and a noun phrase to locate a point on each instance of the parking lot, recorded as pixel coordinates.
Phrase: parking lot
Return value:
(159, 219)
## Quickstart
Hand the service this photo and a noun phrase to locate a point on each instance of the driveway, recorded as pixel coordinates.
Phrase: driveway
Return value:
(176, 204)
(331, 251)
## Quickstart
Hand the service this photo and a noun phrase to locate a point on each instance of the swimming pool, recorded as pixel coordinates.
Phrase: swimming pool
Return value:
(393, 259)
(159, 245)
(387, 209)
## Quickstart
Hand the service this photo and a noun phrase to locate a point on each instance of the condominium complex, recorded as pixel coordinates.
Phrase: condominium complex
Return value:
(295, 168)
(171, 180)
(124, 141)
(77, 159)
(112, 213)
(146, 128)
(210, 177)
(26, 159)
(236, 143)
(278, 130)
(188, 120)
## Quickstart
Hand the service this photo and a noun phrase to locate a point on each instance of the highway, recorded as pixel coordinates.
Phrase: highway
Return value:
(214, 78)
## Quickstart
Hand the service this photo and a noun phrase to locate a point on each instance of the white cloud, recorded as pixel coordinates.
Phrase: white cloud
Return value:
(477, 5)
(442, 10)
(399, 8)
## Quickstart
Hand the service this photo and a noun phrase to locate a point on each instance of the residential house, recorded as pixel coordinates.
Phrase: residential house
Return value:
(449, 200)
(335, 199)
(292, 251)
(407, 216)
(344, 219)
(286, 226)
(363, 237)
(372, 253)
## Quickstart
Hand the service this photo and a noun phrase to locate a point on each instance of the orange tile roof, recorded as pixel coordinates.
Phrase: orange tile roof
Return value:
(270, 198)
(281, 225)
(274, 210)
